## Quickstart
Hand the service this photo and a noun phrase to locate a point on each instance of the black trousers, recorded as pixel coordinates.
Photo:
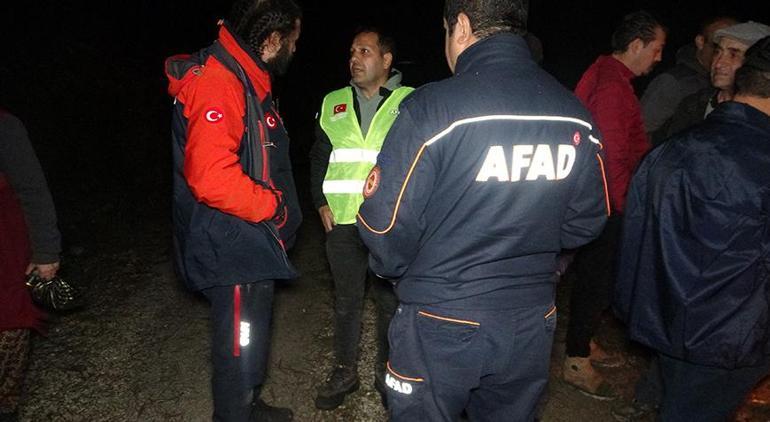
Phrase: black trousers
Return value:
(594, 267)
(349, 262)
(240, 342)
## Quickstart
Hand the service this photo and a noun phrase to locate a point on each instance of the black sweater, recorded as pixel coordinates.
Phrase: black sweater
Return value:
(20, 166)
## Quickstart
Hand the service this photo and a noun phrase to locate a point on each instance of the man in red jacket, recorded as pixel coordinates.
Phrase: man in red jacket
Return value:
(235, 207)
(606, 90)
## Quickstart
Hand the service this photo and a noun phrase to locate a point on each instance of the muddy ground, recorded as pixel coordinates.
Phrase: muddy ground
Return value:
(139, 350)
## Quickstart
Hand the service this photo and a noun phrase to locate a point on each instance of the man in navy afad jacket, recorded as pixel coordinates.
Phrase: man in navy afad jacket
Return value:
(481, 181)
(694, 269)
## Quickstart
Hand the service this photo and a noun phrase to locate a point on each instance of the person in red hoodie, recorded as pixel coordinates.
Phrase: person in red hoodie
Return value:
(606, 90)
(235, 208)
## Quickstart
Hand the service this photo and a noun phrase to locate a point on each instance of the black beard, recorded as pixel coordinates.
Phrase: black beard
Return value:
(279, 64)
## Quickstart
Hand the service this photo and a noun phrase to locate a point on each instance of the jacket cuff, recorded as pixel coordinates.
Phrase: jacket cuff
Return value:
(45, 257)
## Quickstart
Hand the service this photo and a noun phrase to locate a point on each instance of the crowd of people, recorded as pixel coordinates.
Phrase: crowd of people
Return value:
(457, 203)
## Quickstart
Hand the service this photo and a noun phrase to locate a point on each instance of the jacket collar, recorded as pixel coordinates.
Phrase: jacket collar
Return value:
(502, 48)
(393, 83)
(252, 65)
(742, 113)
(617, 66)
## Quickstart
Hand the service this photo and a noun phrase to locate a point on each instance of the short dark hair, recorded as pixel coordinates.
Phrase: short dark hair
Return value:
(489, 17)
(640, 24)
(255, 20)
(385, 41)
(706, 23)
(753, 78)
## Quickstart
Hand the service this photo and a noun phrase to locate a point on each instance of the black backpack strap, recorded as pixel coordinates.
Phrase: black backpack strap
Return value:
(253, 152)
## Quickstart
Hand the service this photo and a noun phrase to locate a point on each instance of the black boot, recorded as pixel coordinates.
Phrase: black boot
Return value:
(263, 412)
(342, 381)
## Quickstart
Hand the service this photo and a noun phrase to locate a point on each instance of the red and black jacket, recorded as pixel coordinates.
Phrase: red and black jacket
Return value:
(235, 205)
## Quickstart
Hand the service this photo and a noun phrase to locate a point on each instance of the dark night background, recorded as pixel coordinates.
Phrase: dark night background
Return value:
(86, 78)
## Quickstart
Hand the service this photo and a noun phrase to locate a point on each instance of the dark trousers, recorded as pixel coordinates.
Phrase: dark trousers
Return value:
(593, 289)
(239, 351)
(701, 393)
(349, 262)
(493, 364)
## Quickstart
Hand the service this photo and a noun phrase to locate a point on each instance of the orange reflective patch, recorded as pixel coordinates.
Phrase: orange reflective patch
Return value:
(606, 190)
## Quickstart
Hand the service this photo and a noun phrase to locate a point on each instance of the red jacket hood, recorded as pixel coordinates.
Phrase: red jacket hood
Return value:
(182, 68)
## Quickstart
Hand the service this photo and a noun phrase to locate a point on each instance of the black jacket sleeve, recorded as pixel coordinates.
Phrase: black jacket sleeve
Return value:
(690, 112)
(19, 163)
(319, 162)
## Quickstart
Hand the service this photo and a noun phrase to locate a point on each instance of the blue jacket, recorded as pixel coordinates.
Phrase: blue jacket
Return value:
(482, 180)
(695, 258)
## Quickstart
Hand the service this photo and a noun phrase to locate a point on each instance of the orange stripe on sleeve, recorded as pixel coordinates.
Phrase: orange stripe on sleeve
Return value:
(400, 196)
(606, 189)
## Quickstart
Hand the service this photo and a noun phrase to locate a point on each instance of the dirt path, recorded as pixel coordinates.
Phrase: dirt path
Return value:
(139, 351)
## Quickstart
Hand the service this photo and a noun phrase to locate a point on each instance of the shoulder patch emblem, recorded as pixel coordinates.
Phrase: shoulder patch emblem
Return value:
(372, 182)
(340, 108)
(214, 115)
(576, 138)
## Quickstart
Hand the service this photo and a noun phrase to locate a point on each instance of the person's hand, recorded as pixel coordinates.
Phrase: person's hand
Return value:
(44, 271)
(327, 218)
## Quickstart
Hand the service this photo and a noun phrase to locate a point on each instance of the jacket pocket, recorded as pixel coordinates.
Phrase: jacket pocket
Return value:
(550, 319)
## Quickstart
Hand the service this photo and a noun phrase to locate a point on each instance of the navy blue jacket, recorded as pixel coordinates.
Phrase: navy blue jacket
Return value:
(695, 257)
(483, 178)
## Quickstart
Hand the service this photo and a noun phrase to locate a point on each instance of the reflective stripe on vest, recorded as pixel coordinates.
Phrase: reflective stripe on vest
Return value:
(353, 156)
(343, 186)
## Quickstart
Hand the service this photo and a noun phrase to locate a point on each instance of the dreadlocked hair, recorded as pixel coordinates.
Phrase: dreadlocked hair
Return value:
(255, 20)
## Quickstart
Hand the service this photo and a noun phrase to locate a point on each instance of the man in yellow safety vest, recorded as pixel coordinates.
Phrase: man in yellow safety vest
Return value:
(352, 125)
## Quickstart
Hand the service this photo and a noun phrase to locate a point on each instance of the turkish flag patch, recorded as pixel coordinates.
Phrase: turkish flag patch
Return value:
(271, 121)
(214, 115)
(576, 138)
(372, 182)
(340, 108)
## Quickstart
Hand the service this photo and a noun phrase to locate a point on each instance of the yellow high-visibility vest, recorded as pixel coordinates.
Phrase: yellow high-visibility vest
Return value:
(353, 156)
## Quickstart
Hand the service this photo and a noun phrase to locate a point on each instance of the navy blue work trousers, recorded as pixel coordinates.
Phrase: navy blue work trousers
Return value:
(240, 342)
(491, 363)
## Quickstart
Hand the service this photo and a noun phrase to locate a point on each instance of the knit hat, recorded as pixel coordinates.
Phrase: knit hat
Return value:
(758, 56)
(747, 32)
